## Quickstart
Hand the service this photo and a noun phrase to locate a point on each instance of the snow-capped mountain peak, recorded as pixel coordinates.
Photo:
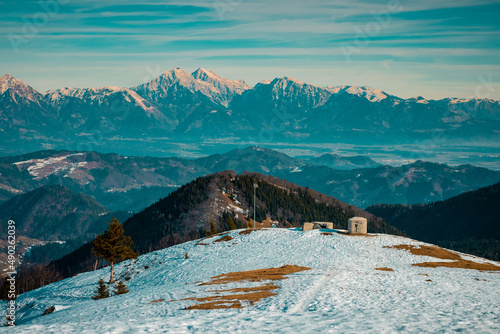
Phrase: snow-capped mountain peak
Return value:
(221, 89)
(82, 93)
(177, 75)
(290, 90)
(419, 99)
(17, 88)
(372, 95)
(455, 100)
(5, 82)
(203, 73)
(170, 78)
(290, 79)
(218, 89)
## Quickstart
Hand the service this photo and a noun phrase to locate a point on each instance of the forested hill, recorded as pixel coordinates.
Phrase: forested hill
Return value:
(187, 213)
(469, 222)
(54, 213)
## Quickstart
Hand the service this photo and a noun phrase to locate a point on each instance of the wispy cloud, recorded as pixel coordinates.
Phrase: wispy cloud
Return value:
(428, 42)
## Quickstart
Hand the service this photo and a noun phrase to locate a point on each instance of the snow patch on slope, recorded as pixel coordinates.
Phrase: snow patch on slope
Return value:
(372, 95)
(40, 168)
(5, 82)
(82, 93)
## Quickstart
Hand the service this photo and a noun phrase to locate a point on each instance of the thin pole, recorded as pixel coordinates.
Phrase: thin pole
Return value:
(254, 188)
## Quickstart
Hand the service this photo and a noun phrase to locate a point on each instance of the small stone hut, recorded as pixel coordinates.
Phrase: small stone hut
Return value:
(317, 225)
(357, 225)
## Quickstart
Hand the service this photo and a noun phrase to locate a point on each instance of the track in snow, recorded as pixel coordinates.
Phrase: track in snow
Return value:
(310, 294)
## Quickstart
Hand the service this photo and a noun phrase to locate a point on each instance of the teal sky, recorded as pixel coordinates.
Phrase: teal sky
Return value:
(429, 48)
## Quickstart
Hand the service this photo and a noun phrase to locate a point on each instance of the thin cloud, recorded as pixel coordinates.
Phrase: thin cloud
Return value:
(424, 41)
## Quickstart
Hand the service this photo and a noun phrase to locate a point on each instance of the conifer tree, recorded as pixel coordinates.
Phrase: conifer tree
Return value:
(113, 246)
(4, 290)
(213, 230)
(102, 291)
(120, 288)
(232, 225)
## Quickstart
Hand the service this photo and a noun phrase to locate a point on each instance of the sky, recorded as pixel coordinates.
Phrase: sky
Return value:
(428, 48)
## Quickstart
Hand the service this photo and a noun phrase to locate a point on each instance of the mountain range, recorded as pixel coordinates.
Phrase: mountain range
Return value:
(201, 107)
(133, 183)
(337, 161)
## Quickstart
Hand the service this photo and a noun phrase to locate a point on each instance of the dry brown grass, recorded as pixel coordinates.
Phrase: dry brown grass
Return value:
(250, 230)
(224, 238)
(247, 231)
(326, 233)
(462, 264)
(243, 295)
(156, 301)
(431, 251)
(441, 253)
(384, 269)
(235, 300)
(256, 275)
(220, 304)
(201, 243)
(250, 289)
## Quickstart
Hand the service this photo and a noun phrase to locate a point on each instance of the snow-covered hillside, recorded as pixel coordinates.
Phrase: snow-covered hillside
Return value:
(354, 284)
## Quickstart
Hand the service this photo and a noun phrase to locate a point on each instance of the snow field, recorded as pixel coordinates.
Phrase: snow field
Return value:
(341, 293)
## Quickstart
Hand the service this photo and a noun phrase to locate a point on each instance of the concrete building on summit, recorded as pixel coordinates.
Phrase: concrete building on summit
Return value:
(357, 225)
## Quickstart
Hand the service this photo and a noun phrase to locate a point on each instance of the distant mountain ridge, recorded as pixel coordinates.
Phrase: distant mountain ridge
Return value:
(418, 182)
(337, 161)
(203, 106)
(469, 222)
(133, 183)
